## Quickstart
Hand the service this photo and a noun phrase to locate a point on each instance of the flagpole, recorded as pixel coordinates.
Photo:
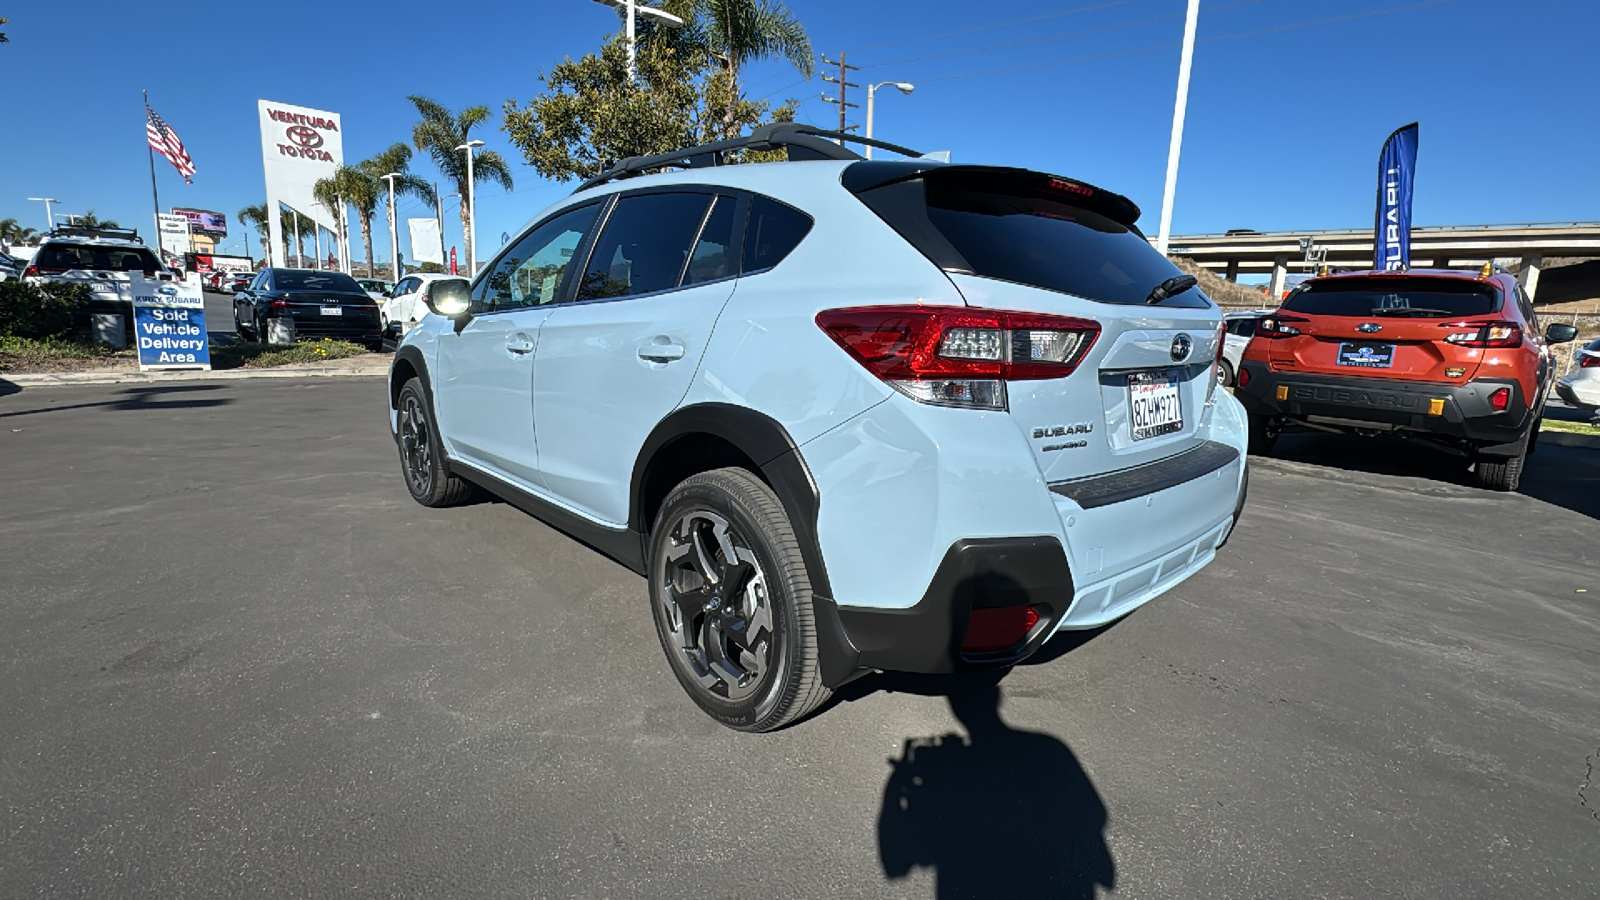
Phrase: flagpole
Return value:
(149, 151)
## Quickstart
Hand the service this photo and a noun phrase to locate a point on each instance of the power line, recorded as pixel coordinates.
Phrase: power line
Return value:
(1226, 37)
(994, 25)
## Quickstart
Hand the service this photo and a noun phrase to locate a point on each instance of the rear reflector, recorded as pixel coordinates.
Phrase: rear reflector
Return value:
(991, 630)
(1244, 377)
(1500, 399)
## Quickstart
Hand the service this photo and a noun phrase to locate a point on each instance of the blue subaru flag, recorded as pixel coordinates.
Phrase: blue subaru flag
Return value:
(1397, 172)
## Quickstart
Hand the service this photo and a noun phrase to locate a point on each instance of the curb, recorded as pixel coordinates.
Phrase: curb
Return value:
(1568, 439)
(70, 378)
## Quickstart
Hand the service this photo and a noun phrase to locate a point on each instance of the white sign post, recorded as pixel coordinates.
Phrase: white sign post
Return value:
(299, 147)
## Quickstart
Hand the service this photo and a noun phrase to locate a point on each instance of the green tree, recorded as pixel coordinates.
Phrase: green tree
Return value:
(90, 220)
(396, 159)
(439, 133)
(256, 217)
(3, 38)
(13, 232)
(737, 32)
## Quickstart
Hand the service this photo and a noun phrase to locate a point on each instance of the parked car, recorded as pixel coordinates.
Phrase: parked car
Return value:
(407, 303)
(1581, 386)
(99, 258)
(376, 288)
(843, 415)
(235, 281)
(1447, 357)
(10, 267)
(311, 303)
(1240, 327)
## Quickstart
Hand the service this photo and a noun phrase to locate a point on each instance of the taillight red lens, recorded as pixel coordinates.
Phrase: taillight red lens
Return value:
(926, 342)
(1244, 376)
(1500, 399)
(1277, 326)
(1486, 334)
(1588, 361)
(991, 630)
(278, 303)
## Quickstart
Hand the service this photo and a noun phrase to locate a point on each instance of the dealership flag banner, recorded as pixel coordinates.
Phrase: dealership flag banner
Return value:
(1397, 171)
(165, 141)
(169, 324)
(425, 240)
(299, 147)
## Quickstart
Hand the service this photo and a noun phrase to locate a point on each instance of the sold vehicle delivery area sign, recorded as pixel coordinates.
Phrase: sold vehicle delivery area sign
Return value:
(169, 325)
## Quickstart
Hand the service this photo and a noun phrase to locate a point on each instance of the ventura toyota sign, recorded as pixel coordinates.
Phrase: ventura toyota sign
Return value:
(299, 146)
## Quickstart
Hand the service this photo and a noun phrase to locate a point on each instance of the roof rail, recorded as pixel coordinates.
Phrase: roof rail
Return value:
(121, 234)
(801, 141)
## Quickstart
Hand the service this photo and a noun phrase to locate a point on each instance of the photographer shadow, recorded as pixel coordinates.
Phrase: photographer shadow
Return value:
(997, 813)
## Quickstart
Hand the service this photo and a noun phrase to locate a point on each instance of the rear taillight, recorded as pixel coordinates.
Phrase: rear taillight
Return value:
(278, 303)
(958, 356)
(1488, 334)
(1216, 362)
(1277, 327)
(1588, 361)
(43, 270)
(1500, 399)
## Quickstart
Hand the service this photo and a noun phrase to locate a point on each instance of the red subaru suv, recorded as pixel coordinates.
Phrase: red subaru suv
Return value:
(1448, 357)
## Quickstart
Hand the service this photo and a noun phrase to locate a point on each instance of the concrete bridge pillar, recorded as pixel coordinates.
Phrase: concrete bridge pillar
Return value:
(1529, 276)
(1233, 270)
(1280, 271)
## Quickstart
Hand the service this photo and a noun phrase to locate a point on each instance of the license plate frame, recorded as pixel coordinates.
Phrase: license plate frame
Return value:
(333, 310)
(1155, 390)
(1365, 354)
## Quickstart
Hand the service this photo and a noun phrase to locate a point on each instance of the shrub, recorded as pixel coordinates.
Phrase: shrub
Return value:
(41, 311)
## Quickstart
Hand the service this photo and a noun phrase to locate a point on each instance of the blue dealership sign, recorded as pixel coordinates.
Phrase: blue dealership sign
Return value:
(1397, 171)
(169, 324)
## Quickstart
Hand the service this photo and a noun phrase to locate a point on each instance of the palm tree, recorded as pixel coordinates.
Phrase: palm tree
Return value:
(743, 31)
(90, 220)
(361, 190)
(13, 232)
(256, 217)
(439, 133)
(396, 159)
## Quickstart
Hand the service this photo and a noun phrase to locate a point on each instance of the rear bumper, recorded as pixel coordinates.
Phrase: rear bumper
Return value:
(1354, 401)
(1581, 394)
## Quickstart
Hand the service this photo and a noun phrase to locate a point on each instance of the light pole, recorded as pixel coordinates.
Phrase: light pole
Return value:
(633, 9)
(394, 240)
(904, 87)
(472, 208)
(1189, 23)
(48, 218)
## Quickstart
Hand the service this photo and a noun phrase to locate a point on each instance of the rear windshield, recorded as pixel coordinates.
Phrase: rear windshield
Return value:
(88, 256)
(1013, 230)
(303, 280)
(1434, 298)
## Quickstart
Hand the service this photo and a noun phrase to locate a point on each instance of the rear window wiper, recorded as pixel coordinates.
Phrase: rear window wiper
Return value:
(1172, 287)
(1411, 311)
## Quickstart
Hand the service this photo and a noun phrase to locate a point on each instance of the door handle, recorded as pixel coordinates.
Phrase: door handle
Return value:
(519, 344)
(661, 353)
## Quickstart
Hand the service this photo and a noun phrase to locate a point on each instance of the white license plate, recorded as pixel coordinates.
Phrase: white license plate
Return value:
(1153, 404)
(103, 287)
(332, 311)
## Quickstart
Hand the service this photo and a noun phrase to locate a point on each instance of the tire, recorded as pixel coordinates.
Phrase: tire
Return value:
(1225, 374)
(745, 647)
(422, 454)
(1263, 435)
(1501, 473)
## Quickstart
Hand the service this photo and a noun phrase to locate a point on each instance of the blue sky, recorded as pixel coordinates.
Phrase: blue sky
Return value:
(1284, 122)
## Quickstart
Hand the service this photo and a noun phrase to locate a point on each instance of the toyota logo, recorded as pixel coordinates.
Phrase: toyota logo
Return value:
(1181, 345)
(304, 136)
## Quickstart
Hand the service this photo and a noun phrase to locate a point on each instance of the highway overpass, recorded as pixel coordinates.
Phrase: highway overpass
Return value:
(1276, 253)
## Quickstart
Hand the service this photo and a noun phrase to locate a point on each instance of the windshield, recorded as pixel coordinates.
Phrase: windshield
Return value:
(1409, 297)
(305, 280)
(87, 256)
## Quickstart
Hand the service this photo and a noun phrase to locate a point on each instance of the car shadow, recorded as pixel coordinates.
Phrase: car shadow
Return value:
(7, 388)
(139, 398)
(995, 812)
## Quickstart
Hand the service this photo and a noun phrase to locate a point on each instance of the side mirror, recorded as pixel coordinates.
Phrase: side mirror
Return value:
(449, 298)
(1560, 334)
(387, 294)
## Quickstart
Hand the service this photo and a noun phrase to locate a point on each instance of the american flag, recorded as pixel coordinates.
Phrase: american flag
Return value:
(165, 142)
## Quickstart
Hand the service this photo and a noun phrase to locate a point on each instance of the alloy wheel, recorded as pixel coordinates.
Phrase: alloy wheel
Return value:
(716, 604)
(416, 448)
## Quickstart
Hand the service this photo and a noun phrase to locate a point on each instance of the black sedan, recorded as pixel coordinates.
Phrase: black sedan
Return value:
(289, 304)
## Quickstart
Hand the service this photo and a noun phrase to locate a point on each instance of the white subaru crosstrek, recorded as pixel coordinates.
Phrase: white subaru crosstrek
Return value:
(842, 415)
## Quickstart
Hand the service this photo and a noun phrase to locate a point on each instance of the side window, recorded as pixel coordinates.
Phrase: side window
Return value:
(1525, 303)
(532, 271)
(713, 250)
(1245, 328)
(771, 232)
(644, 245)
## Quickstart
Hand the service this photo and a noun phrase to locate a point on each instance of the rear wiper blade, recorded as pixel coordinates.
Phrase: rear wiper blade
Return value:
(1410, 311)
(1172, 287)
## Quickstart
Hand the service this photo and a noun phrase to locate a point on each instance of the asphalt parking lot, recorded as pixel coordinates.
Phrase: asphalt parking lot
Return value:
(239, 661)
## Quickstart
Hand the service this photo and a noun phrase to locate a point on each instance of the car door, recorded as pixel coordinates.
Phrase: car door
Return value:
(620, 357)
(483, 378)
(399, 302)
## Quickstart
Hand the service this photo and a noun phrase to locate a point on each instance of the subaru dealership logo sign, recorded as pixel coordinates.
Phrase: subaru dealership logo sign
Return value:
(1397, 169)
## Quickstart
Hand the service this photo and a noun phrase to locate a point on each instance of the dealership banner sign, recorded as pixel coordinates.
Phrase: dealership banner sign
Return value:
(204, 221)
(174, 234)
(299, 147)
(1397, 171)
(426, 245)
(169, 324)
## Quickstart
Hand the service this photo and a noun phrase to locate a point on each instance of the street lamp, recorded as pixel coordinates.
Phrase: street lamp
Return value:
(472, 209)
(904, 87)
(49, 219)
(633, 9)
(1187, 56)
(394, 239)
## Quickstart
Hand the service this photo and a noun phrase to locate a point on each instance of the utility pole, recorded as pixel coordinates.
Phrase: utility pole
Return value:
(439, 213)
(844, 82)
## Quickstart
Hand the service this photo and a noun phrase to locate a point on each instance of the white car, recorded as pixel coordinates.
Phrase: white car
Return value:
(405, 306)
(1241, 327)
(1581, 387)
(100, 259)
(376, 288)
